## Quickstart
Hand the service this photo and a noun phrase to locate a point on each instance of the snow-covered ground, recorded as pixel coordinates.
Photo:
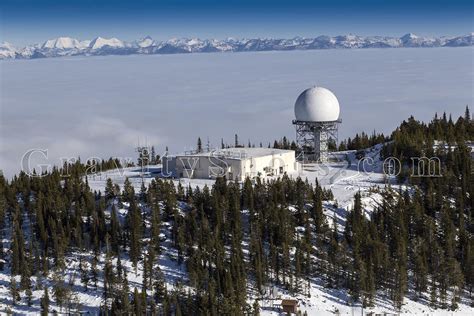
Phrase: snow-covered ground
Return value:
(325, 301)
(91, 299)
(344, 178)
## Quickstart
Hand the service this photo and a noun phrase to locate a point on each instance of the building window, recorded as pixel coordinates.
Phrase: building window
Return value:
(281, 170)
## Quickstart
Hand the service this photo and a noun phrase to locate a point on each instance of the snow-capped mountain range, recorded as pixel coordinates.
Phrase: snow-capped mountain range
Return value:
(66, 46)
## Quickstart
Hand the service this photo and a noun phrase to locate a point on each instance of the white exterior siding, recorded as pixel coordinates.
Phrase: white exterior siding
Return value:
(244, 162)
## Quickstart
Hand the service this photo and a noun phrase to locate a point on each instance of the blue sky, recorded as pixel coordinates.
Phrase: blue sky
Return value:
(29, 21)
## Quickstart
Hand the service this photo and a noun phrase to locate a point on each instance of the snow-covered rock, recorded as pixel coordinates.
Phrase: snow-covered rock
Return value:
(145, 42)
(412, 40)
(467, 40)
(100, 42)
(7, 50)
(66, 46)
(61, 43)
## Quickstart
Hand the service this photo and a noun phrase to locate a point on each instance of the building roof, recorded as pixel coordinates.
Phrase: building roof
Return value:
(241, 152)
(317, 104)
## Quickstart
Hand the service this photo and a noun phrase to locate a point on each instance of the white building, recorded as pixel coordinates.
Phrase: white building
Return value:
(233, 163)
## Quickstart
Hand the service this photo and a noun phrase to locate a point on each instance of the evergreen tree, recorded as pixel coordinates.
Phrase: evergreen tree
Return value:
(83, 270)
(14, 291)
(137, 303)
(418, 239)
(153, 157)
(45, 303)
(94, 270)
(199, 145)
(110, 192)
(135, 225)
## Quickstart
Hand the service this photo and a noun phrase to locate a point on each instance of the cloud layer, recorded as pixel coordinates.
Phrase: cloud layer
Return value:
(100, 106)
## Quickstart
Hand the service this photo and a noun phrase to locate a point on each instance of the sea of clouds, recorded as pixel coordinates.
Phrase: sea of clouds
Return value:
(101, 106)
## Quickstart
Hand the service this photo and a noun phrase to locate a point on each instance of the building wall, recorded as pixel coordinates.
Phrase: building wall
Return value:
(205, 167)
(168, 168)
(270, 165)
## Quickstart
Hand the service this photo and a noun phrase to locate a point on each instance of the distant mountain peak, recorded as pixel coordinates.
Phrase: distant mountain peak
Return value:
(7, 45)
(7, 50)
(67, 46)
(147, 41)
(409, 36)
(100, 42)
(61, 43)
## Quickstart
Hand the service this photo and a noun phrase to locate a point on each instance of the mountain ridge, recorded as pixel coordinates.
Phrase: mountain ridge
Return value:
(67, 46)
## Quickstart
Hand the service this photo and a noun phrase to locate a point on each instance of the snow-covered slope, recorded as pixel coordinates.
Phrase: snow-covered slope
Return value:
(66, 46)
(343, 177)
(144, 42)
(100, 42)
(7, 50)
(467, 40)
(61, 43)
(346, 176)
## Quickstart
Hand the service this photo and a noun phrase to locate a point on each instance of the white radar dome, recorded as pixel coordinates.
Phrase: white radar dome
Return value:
(317, 104)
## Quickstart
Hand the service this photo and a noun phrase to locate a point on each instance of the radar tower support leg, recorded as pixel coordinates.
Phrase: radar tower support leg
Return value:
(312, 139)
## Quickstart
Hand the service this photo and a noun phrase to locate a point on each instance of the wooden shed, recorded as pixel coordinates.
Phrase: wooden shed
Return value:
(289, 306)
